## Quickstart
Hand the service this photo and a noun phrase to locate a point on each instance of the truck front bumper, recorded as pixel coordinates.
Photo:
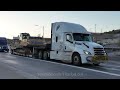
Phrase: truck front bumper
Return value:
(2, 50)
(97, 59)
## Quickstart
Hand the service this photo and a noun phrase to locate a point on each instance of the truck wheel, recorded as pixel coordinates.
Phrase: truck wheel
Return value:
(45, 55)
(76, 59)
(40, 55)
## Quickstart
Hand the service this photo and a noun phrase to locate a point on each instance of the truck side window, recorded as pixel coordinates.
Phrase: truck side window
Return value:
(56, 39)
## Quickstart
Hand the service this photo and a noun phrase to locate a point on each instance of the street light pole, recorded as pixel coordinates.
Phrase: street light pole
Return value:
(95, 28)
(95, 33)
(43, 30)
(101, 31)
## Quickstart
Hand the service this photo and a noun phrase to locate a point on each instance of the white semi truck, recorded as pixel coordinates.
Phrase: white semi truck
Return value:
(71, 43)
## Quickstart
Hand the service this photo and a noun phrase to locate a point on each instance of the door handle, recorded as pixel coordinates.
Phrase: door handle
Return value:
(65, 47)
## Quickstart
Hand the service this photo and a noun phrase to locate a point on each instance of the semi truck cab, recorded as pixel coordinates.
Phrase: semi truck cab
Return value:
(3, 45)
(73, 43)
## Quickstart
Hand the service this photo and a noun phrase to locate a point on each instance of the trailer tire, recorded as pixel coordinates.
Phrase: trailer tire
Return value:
(45, 55)
(40, 55)
(76, 59)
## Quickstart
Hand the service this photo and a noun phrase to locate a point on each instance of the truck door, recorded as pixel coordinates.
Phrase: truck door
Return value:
(68, 46)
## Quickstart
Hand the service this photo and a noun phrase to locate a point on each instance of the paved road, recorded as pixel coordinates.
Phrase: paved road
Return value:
(13, 66)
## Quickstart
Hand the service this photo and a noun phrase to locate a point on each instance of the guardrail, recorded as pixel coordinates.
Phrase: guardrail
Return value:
(111, 49)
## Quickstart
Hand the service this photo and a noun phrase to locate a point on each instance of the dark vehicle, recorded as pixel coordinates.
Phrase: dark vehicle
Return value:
(3, 45)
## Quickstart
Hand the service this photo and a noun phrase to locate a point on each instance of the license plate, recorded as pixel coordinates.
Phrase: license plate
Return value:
(100, 58)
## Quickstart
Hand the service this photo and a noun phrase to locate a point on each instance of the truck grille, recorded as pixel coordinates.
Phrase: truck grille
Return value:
(99, 51)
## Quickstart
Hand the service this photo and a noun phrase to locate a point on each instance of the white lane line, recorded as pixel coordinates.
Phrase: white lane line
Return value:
(113, 74)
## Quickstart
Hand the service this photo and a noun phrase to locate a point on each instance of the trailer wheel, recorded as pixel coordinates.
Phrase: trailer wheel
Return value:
(45, 55)
(76, 59)
(11, 51)
(40, 55)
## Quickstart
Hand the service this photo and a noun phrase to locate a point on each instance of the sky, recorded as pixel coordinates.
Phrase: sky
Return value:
(12, 23)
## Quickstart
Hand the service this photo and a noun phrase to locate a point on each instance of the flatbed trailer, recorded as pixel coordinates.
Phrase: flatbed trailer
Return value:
(34, 51)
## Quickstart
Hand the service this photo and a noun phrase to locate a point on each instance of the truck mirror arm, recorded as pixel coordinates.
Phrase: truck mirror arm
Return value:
(69, 41)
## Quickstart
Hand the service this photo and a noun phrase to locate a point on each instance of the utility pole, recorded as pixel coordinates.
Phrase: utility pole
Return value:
(43, 31)
(101, 31)
(95, 33)
(43, 35)
(95, 28)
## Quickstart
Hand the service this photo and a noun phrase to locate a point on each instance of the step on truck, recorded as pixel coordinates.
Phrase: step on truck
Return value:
(70, 43)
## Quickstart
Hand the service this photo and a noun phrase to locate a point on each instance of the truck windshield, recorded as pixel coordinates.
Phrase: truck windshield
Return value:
(3, 41)
(82, 37)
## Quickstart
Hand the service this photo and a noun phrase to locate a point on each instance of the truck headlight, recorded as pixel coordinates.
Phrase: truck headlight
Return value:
(105, 53)
(86, 52)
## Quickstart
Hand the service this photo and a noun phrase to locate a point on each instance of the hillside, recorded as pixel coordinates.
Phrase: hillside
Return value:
(114, 32)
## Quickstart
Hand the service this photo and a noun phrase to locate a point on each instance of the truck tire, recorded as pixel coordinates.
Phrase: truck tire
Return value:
(76, 59)
(40, 55)
(11, 51)
(45, 55)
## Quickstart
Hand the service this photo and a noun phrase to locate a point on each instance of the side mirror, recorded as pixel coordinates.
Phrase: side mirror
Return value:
(69, 38)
